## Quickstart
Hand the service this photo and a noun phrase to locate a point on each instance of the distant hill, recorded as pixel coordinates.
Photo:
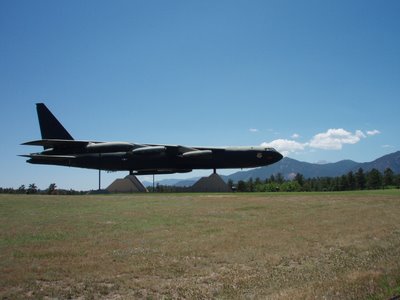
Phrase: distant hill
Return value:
(289, 167)
(391, 161)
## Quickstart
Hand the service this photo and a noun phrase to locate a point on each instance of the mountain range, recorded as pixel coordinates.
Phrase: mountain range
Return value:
(289, 167)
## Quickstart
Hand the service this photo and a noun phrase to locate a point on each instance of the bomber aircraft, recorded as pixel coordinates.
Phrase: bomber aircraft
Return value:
(139, 159)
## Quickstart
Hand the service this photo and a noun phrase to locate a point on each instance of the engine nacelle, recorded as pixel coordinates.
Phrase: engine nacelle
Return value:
(109, 147)
(198, 153)
(149, 150)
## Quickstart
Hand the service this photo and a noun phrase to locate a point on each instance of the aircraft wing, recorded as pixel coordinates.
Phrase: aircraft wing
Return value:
(54, 143)
(177, 148)
(78, 146)
(183, 149)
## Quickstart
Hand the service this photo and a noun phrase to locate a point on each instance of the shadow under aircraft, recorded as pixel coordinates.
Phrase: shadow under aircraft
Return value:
(138, 159)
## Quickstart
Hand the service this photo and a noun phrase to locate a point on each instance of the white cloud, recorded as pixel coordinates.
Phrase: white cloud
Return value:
(295, 136)
(285, 146)
(334, 139)
(253, 130)
(373, 132)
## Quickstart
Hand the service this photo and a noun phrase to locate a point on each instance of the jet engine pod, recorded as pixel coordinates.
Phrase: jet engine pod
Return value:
(198, 153)
(149, 150)
(108, 147)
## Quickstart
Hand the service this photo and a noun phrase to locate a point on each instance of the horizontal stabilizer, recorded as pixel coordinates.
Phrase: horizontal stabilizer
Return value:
(56, 143)
(48, 157)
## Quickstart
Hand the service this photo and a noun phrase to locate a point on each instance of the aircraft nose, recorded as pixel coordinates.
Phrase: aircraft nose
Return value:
(273, 156)
(278, 156)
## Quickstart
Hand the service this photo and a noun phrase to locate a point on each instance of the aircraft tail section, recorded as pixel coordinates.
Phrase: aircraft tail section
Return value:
(50, 127)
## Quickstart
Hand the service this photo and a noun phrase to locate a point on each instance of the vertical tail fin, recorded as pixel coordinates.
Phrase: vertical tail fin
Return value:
(50, 127)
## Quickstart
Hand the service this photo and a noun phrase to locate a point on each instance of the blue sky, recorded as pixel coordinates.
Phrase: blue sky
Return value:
(318, 80)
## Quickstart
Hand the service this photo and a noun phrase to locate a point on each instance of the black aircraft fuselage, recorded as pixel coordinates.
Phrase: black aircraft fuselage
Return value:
(61, 149)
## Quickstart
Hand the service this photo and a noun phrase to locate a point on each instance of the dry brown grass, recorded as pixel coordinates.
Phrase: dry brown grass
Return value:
(339, 245)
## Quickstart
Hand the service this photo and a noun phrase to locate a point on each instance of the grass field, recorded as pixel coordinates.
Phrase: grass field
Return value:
(277, 246)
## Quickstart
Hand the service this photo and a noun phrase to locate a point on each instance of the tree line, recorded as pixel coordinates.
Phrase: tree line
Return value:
(33, 189)
(351, 181)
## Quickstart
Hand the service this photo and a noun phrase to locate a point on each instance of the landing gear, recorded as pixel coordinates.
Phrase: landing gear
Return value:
(99, 179)
(99, 172)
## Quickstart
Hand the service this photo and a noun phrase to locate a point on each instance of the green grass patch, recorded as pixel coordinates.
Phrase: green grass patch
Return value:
(261, 245)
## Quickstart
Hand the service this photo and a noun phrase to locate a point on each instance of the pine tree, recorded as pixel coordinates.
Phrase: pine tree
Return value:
(32, 189)
(360, 179)
(299, 178)
(388, 177)
(279, 178)
(351, 180)
(52, 187)
(241, 186)
(374, 179)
